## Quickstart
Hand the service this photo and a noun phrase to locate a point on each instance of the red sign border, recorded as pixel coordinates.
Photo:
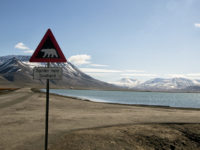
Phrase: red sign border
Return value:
(57, 47)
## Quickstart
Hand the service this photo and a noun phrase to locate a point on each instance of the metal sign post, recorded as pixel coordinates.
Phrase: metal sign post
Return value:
(48, 51)
(47, 113)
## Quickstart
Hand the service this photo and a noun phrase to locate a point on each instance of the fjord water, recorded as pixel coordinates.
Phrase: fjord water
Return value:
(185, 100)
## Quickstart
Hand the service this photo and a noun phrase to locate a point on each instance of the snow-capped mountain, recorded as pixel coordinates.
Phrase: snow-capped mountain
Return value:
(18, 71)
(15, 71)
(18, 57)
(127, 82)
(168, 84)
(160, 84)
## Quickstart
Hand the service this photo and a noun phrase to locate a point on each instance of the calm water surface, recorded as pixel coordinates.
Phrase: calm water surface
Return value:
(189, 100)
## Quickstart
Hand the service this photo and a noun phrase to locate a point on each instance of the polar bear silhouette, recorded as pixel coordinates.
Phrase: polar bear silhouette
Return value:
(49, 53)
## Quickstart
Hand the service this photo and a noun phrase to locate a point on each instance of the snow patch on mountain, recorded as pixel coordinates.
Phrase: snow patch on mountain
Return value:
(173, 83)
(127, 82)
(32, 65)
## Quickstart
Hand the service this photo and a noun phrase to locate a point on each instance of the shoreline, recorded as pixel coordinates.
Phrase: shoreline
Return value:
(131, 90)
(139, 105)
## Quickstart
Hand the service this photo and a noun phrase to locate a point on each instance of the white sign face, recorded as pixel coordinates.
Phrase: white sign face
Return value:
(52, 73)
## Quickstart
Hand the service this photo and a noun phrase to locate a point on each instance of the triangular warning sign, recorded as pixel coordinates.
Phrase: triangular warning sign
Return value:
(48, 50)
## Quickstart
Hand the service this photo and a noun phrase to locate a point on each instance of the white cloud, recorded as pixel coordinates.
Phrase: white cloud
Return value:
(80, 59)
(98, 65)
(83, 59)
(22, 46)
(114, 72)
(94, 74)
(197, 25)
(194, 74)
(29, 51)
(134, 71)
(94, 70)
(189, 75)
(176, 75)
(139, 75)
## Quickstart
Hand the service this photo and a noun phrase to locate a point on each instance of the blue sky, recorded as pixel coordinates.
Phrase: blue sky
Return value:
(110, 39)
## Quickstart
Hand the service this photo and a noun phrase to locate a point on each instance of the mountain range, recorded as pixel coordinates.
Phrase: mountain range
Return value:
(161, 84)
(17, 71)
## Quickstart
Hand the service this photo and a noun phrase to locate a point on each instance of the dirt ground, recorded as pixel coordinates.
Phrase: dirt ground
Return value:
(77, 124)
(132, 137)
